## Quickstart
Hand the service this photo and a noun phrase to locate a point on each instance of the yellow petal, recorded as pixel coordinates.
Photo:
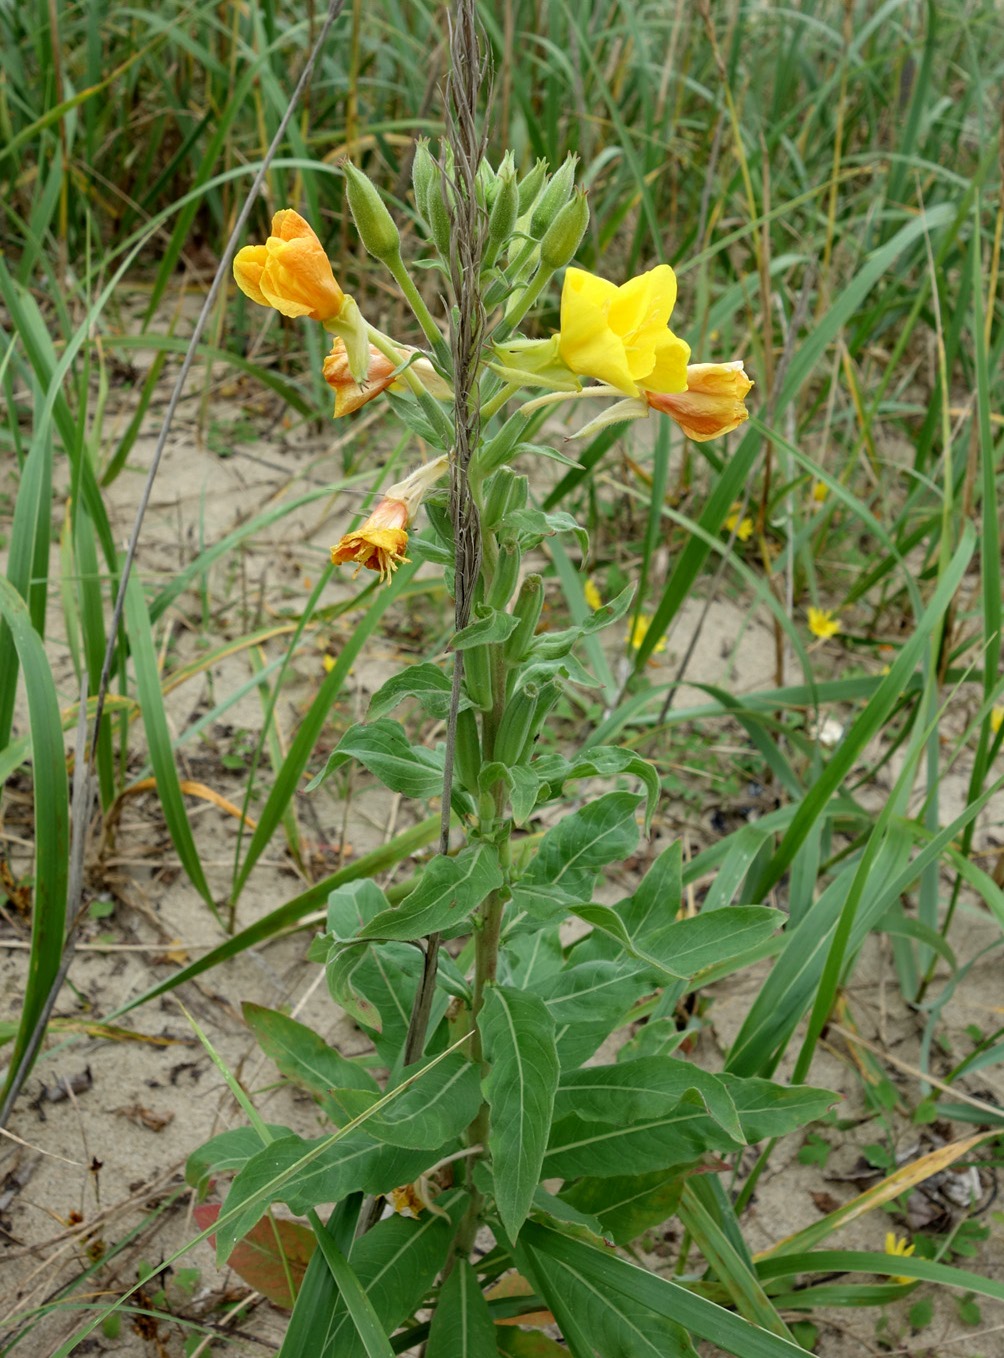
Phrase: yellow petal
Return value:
(248, 266)
(639, 314)
(669, 371)
(587, 344)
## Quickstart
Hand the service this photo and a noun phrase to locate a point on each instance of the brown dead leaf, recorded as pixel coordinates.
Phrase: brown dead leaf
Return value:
(145, 1117)
(825, 1202)
(515, 1285)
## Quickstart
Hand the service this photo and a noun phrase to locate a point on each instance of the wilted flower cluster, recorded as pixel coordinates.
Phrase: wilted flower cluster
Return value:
(616, 336)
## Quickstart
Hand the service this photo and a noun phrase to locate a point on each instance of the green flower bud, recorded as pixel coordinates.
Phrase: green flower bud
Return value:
(516, 727)
(547, 695)
(500, 446)
(530, 186)
(554, 198)
(440, 223)
(563, 236)
(478, 676)
(486, 184)
(424, 175)
(376, 227)
(502, 218)
(529, 602)
(467, 751)
(506, 574)
(506, 490)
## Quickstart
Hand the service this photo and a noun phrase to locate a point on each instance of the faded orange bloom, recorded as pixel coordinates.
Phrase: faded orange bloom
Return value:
(350, 394)
(290, 272)
(712, 405)
(380, 543)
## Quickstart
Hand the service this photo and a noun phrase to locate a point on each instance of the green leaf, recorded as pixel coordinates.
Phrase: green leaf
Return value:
(352, 905)
(489, 628)
(225, 1153)
(631, 1091)
(534, 525)
(594, 1319)
(604, 831)
(517, 1035)
(433, 1110)
(603, 761)
(303, 1173)
(303, 1056)
(384, 749)
(462, 1326)
(687, 946)
(582, 1269)
(450, 890)
(627, 1205)
(426, 682)
(376, 985)
(587, 1001)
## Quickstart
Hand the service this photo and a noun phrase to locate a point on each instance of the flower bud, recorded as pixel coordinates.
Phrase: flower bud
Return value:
(440, 222)
(506, 490)
(467, 750)
(478, 675)
(486, 182)
(515, 728)
(530, 186)
(506, 574)
(554, 198)
(563, 236)
(377, 228)
(423, 176)
(502, 218)
(529, 603)
(547, 695)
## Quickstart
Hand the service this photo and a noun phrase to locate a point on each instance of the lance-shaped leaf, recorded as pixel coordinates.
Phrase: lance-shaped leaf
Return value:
(462, 1326)
(303, 1056)
(434, 1110)
(625, 1205)
(226, 1153)
(451, 889)
(303, 1173)
(426, 682)
(384, 749)
(517, 1035)
(603, 761)
(490, 627)
(631, 1091)
(604, 831)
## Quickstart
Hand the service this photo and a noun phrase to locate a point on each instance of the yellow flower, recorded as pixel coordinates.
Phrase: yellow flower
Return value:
(380, 543)
(714, 402)
(639, 632)
(290, 272)
(350, 394)
(820, 490)
(822, 623)
(620, 335)
(743, 528)
(592, 594)
(899, 1249)
(328, 662)
(996, 719)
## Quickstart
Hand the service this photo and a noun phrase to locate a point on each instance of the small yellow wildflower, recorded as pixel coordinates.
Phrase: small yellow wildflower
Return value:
(899, 1249)
(329, 663)
(822, 623)
(743, 528)
(639, 632)
(592, 594)
(380, 543)
(996, 719)
(820, 490)
(290, 272)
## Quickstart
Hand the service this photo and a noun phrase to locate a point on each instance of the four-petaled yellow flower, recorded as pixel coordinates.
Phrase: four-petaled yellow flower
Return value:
(713, 404)
(820, 490)
(822, 623)
(290, 272)
(620, 335)
(901, 1249)
(639, 632)
(591, 594)
(743, 528)
(381, 541)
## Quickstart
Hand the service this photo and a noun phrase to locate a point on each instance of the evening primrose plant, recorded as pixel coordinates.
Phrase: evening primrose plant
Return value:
(499, 1125)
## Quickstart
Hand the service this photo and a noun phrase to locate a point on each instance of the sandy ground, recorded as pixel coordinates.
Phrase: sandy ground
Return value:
(100, 1160)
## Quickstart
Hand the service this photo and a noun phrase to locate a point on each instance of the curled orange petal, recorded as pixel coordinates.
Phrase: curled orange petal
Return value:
(712, 405)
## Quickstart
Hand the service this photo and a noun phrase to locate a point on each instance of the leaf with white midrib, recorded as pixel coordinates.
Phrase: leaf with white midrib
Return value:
(517, 1035)
(462, 1326)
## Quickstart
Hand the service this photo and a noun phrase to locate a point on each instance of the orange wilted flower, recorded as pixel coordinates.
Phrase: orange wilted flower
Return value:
(380, 543)
(713, 403)
(290, 272)
(350, 394)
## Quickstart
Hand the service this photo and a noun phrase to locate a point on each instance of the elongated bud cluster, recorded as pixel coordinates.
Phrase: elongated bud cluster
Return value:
(563, 237)
(377, 228)
(554, 198)
(516, 727)
(531, 185)
(529, 603)
(504, 210)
